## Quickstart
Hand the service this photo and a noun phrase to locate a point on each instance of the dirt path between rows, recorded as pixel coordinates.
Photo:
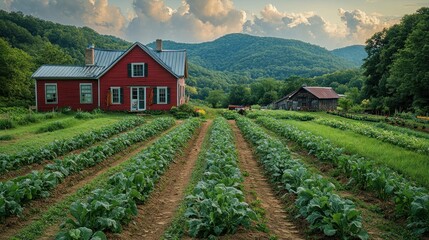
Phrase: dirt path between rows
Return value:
(35, 209)
(257, 187)
(156, 214)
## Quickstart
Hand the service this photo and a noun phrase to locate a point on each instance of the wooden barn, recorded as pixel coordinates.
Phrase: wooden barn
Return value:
(309, 99)
(137, 79)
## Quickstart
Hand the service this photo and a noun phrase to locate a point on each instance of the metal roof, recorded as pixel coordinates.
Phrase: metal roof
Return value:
(67, 72)
(322, 92)
(176, 60)
(172, 60)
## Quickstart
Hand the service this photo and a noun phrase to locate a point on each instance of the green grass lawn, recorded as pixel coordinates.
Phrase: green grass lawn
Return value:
(25, 137)
(414, 166)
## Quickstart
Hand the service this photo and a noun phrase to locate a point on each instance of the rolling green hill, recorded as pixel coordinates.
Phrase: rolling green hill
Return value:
(355, 54)
(262, 56)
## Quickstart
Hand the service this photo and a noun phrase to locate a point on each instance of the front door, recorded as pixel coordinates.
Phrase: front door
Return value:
(138, 98)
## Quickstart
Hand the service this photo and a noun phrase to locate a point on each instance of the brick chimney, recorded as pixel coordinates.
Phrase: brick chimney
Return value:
(159, 45)
(89, 55)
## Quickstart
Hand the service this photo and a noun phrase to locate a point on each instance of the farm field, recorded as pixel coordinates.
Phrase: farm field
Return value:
(239, 179)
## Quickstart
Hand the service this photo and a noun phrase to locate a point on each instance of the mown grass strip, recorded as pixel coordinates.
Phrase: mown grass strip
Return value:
(410, 201)
(109, 207)
(316, 201)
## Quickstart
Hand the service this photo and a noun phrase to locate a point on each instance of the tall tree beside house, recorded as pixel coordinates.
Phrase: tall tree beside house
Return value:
(15, 70)
(397, 67)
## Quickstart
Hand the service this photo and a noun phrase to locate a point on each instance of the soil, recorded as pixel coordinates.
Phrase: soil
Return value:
(35, 209)
(156, 214)
(258, 188)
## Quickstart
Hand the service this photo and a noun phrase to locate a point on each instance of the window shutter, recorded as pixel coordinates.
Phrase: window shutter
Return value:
(155, 95)
(121, 93)
(129, 69)
(146, 69)
(168, 95)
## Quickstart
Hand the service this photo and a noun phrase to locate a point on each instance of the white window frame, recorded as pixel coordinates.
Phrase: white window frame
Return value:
(80, 93)
(119, 94)
(158, 94)
(132, 69)
(56, 92)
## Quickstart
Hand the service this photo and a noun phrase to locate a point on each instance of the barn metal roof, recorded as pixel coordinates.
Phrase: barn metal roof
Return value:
(322, 92)
(172, 60)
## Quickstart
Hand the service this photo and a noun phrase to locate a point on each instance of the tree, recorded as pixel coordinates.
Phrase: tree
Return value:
(397, 67)
(345, 104)
(216, 98)
(15, 71)
(239, 94)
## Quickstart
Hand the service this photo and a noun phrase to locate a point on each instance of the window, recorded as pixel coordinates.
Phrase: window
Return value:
(86, 93)
(51, 95)
(162, 95)
(116, 95)
(137, 69)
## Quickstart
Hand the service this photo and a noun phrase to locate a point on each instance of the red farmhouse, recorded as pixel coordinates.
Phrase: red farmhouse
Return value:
(137, 79)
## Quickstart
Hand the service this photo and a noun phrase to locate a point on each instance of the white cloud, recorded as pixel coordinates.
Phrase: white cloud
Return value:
(97, 14)
(355, 28)
(193, 21)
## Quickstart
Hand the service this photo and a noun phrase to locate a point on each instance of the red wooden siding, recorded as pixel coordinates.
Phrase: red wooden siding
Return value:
(117, 76)
(68, 92)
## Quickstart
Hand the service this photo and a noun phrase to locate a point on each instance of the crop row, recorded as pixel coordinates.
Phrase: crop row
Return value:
(14, 193)
(316, 201)
(63, 146)
(398, 139)
(279, 114)
(406, 131)
(114, 204)
(216, 205)
(410, 201)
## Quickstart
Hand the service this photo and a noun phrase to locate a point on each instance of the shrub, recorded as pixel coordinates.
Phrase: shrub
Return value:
(51, 127)
(83, 115)
(6, 124)
(6, 137)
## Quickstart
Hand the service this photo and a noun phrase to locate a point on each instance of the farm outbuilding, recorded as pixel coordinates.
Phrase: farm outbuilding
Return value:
(309, 98)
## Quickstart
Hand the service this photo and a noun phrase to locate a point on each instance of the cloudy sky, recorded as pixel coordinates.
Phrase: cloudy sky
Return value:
(327, 23)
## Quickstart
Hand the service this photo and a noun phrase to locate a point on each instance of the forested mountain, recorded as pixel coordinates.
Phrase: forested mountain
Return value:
(50, 42)
(397, 67)
(262, 56)
(355, 54)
